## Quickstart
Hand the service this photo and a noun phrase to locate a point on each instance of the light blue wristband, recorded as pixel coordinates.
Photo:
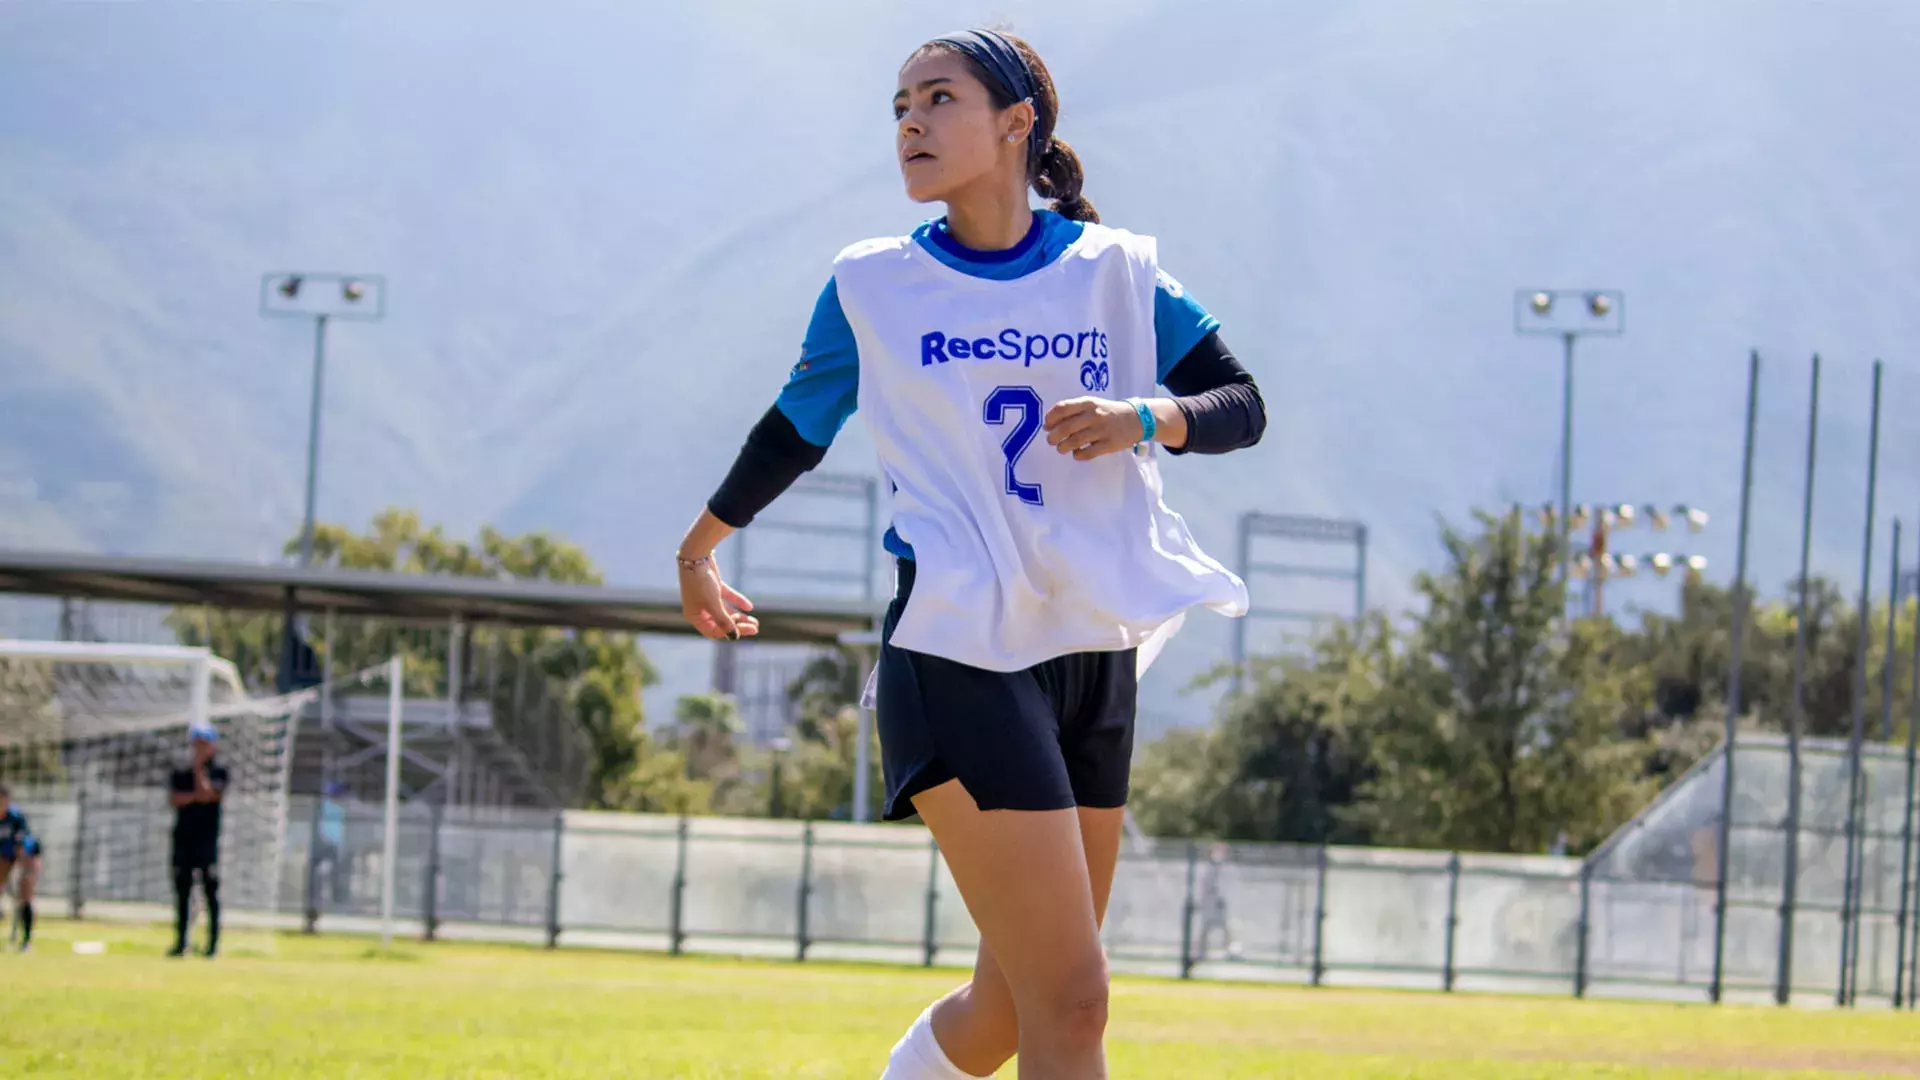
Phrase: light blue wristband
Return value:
(1147, 425)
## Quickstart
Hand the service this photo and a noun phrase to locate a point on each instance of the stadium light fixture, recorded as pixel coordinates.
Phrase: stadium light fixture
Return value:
(1538, 311)
(361, 297)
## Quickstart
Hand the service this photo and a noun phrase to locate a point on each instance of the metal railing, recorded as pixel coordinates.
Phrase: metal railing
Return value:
(1316, 915)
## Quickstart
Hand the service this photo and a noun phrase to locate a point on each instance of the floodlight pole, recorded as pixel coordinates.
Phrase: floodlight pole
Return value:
(390, 850)
(326, 296)
(313, 436)
(1566, 463)
(1607, 308)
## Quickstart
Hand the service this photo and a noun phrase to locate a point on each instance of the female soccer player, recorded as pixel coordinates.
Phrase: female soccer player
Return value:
(1031, 571)
(18, 846)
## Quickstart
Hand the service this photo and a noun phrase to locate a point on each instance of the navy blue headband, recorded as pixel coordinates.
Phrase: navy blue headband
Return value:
(1003, 63)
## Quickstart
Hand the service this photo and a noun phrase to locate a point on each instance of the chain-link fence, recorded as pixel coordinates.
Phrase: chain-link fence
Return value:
(1636, 920)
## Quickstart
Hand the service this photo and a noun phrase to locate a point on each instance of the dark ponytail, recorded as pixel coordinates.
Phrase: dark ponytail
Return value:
(1056, 173)
(1059, 176)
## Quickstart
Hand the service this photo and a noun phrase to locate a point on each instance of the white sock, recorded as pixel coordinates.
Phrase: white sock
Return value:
(917, 1056)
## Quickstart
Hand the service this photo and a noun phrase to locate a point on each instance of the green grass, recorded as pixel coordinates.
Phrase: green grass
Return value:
(337, 1008)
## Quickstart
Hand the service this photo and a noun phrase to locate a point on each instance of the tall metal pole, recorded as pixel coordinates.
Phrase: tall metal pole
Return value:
(1566, 465)
(1906, 821)
(313, 435)
(390, 849)
(930, 932)
(1187, 911)
(1887, 664)
(1888, 661)
(863, 751)
(872, 545)
(1740, 603)
(1359, 578)
(1848, 893)
(1796, 714)
(1583, 942)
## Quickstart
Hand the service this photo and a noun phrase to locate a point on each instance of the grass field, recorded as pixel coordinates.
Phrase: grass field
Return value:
(335, 1007)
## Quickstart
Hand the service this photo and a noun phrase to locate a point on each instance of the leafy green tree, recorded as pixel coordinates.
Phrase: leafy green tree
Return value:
(1688, 652)
(659, 784)
(1486, 721)
(706, 728)
(817, 773)
(1502, 730)
(597, 676)
(1287, 753)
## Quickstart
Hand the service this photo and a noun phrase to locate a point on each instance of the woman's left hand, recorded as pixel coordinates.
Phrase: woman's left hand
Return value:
(1088, 427)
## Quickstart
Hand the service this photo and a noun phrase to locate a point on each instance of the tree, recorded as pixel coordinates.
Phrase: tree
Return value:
(1501, 731)
(705, 727)
(1287, 753)
(597, 676)
(1486, 721)
(1689, 653)
(659, 784)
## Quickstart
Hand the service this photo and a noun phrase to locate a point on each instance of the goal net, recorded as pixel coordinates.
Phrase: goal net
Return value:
(89, 737)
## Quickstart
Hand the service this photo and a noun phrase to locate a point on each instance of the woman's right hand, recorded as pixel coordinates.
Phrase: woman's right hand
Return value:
(711, 606)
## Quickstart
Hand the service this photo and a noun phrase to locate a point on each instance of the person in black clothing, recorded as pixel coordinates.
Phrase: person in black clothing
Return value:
(19, 846)
(196, 792)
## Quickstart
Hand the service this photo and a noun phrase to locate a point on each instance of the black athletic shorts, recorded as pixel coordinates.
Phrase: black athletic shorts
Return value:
(1056, 735)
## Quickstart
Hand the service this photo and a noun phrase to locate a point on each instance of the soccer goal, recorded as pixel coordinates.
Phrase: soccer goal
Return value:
(89, 737)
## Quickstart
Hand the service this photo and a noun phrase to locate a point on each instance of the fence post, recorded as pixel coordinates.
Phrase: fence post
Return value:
(1186, 913)
(1585, 930)
(1790, 872)
(928, 943)
(310, 922)
(1913, 965)
(1320, 919)
(553, 883)
(1742, 600)
(77, 876)
(676, 933)
(430, 888)
(1849, 900)
(1909, 919)
(806, 889)
(1453, 917)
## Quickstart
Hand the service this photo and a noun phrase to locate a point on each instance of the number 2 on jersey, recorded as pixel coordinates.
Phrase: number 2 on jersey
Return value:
(1022, 398)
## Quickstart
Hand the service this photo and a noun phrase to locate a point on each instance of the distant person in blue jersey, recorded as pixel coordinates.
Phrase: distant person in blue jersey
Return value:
(19, 847)
(1006, 362)
(332, 829)
(196, 792)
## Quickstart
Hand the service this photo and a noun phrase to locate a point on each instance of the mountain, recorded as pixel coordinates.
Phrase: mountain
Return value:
(603, 228)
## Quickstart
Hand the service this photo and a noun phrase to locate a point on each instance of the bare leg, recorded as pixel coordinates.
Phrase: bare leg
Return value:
(976, 1024)
(1026, 879)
